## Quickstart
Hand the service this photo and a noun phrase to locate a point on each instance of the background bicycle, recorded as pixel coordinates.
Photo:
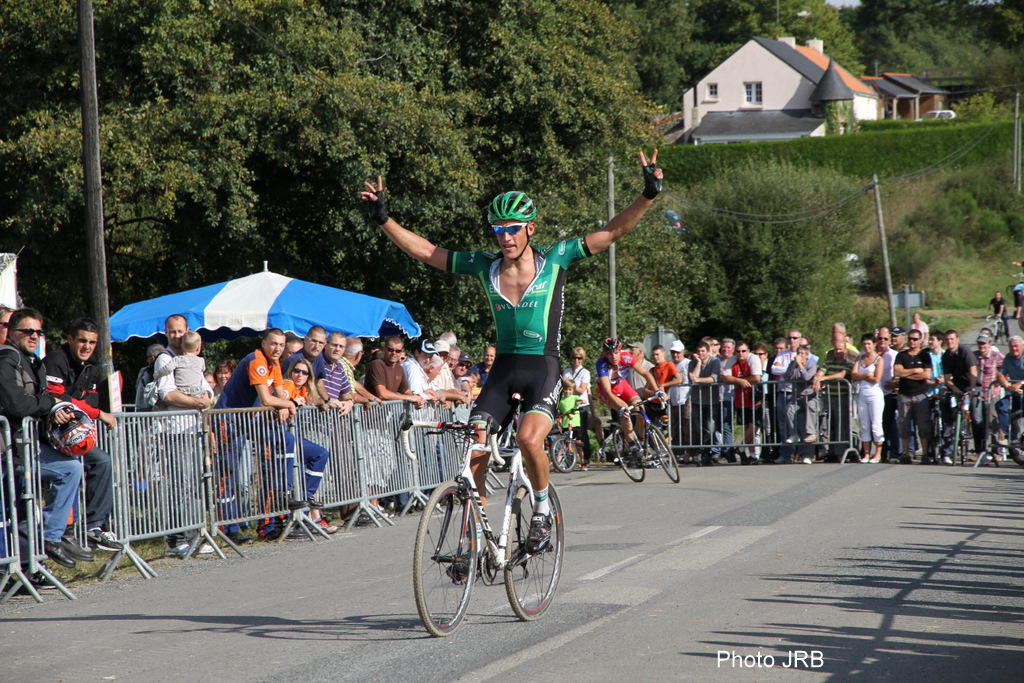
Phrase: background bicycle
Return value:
(561, 445)
(654, 448)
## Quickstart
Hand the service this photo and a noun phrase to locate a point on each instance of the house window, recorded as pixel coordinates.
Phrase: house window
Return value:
(712, 91)
(752, 93)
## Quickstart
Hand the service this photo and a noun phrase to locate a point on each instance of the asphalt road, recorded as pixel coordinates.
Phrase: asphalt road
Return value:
(843, 572)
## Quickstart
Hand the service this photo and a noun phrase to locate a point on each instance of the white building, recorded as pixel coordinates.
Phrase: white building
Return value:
(771, 90)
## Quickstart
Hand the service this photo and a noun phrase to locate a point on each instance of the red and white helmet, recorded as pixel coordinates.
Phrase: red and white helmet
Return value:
(75, 437)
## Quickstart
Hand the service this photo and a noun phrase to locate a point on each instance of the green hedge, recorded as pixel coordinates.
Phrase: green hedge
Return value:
(905, 124)
(889, 153)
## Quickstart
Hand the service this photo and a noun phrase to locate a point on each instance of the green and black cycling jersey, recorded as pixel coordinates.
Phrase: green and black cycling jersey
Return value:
(533, 326)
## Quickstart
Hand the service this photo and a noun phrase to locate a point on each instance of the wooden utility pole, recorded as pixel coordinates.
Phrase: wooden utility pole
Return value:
(95, 252)
(613, 322)
(885, 251)
(1016, 142)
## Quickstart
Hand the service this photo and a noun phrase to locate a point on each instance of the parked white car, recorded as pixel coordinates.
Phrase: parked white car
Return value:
(940, 114)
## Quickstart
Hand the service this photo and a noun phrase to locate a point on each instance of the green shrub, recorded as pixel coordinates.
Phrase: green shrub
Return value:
(886, 125)
(890, 153)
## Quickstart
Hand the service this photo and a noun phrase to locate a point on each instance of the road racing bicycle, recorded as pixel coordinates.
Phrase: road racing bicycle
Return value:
(455, 542)
(654, 449)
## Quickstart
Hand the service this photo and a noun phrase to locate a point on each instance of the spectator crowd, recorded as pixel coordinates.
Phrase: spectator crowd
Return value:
(895, 391)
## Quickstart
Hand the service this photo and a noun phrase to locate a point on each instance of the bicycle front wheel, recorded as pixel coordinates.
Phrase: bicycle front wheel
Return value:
(658, 448)
(563, 454)
(531, 580)
(444, 562)
(632, 466)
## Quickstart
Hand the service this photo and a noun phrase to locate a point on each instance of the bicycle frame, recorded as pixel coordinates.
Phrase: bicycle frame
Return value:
(496, 545)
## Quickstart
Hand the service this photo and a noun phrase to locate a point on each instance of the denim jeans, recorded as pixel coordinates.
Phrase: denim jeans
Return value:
(63, 473)
(1004, 406)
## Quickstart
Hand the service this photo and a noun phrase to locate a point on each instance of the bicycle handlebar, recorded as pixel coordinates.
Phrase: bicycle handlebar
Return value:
(408, 423)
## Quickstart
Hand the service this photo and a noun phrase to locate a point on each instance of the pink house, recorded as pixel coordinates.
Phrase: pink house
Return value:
(773, 90)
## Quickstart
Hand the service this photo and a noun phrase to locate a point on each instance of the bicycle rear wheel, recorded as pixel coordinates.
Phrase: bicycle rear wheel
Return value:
(531, 580)
(658, 448)
(563, 453)
(444, 563)
(633, 467)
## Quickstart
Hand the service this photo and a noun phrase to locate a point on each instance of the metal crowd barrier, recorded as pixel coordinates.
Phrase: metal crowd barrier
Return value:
(26, 487)
(438, 454)
(341, 482)
(192, 473)
(793, 425)
(158, 473)
(251, 465)
(10, 554)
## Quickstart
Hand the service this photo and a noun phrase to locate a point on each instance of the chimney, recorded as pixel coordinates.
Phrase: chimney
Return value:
(788, 40)
(816, 44)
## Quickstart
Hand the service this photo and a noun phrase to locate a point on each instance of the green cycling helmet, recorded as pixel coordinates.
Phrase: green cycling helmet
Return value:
(511, 206)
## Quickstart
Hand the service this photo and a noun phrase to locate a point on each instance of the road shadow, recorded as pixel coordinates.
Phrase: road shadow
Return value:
(943, 611)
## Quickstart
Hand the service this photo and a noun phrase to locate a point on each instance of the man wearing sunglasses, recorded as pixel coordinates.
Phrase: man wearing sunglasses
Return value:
(5, 316)
(23, 394)
(524, 286)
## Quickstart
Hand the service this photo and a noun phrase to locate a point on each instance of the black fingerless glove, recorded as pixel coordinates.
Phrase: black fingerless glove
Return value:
(652, 184)
(377, 210)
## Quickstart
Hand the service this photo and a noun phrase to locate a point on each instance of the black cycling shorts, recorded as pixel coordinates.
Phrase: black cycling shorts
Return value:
(535, 378)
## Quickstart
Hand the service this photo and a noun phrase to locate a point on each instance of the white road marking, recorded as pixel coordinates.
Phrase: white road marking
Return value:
(696, 534)
(611, 568)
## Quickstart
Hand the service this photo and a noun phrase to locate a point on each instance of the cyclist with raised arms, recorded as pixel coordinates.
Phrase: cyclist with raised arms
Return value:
(524, 286)
(616, 392)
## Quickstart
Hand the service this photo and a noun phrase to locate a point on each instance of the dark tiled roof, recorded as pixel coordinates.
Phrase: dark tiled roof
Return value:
(831, 86)
(915, 84)
(890, 89)
(757, 124)
(794, 59)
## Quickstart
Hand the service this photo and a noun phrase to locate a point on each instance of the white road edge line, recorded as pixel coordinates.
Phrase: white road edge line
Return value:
(611, 568)
(696, 534)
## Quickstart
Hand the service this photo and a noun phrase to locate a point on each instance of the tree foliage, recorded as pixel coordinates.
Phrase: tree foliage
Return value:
(722, 26)
(240, 132)
(762, 277)
(914, 35)
(661, 33)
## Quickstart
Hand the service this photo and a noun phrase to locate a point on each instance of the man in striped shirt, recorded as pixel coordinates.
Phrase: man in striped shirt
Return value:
(339, 391)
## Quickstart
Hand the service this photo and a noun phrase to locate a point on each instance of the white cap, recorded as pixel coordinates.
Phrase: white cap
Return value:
(441, 346)
(677, 346)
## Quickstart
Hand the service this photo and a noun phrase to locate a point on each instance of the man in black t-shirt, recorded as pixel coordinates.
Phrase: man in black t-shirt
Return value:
(960, 372)
(913, 369)
(998, 306)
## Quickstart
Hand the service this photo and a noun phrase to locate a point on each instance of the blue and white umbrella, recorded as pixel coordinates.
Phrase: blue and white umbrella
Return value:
(252, 304)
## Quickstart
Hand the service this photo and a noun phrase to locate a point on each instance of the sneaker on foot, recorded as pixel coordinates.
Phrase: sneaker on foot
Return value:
(806, 461)
(237, 537)
(540, 534)
(75, 550)
(179, 550)
(205, 549)
(104, 540)
(326, 526)
(946, 460)
(55, 551)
